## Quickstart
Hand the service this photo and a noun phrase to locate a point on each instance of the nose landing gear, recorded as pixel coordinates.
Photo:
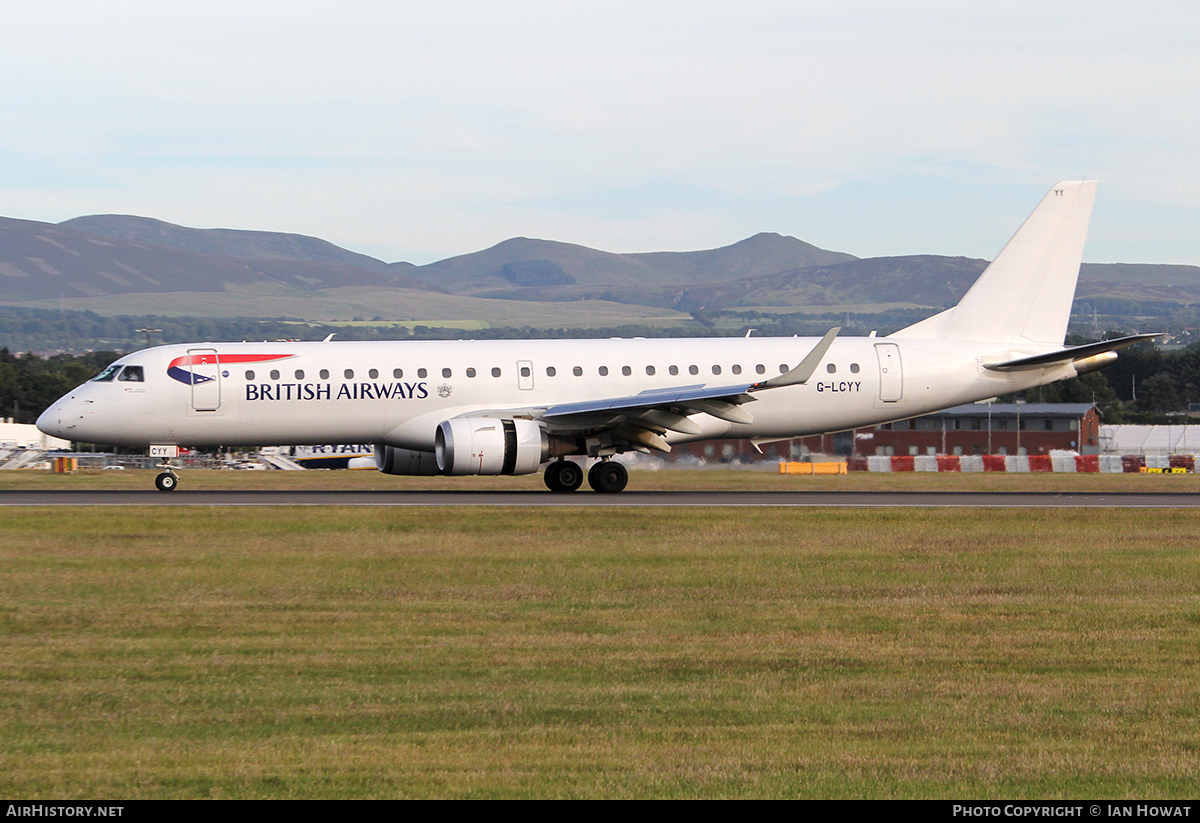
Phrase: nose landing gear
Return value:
(167, 480)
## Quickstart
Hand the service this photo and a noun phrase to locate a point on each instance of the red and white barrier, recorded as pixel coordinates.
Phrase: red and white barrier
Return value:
(1057, 462)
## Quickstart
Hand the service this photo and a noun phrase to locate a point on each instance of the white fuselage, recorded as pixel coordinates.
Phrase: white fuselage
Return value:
(396, 393)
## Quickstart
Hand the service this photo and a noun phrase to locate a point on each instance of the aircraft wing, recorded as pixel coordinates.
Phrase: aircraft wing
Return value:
(1069, 355)
(671, 408)
(639, 420)
(719, 401)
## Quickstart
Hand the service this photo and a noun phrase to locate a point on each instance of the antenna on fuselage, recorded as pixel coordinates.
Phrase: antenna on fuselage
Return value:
(330, 337)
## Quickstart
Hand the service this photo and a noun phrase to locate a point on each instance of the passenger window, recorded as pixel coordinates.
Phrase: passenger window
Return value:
(832, 369)
(470, 372)
(783, 368)
(716, 369)
(373, 373)
(650, 370)
(495, 372)
(854, 368)
(249, 375)
(693, 369)
(397, 373)
(107, 375)
(349, 374)
(736, 369)
(274, 374)
(760, 369)
(422, 373)
(551, 371)
(625, 370)
(525, 371)
(673, 370)
(604, 371)
(324, 374)
(299, 374)
(132, 374)
(577, 371)
(446, 372)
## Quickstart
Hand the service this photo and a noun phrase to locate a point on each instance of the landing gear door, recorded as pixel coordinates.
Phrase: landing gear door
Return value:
(205, 368)
(891, 375)
(524, 375)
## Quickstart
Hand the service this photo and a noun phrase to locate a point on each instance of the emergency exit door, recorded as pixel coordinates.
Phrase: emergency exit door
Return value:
(524, 375)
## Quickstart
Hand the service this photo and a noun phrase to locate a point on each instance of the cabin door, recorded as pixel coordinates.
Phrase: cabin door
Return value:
(891, 375)
(205, 368)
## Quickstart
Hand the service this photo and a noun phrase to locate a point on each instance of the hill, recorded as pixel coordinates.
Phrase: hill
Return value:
(40, 261)
(120, 264)
(260, 245)
(927, 280)
(578, 272)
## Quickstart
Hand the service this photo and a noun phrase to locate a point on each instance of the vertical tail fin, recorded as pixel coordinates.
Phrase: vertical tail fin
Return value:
(1025, 295)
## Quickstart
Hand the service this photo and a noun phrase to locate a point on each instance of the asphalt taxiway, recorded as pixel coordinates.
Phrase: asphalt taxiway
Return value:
(795, 499)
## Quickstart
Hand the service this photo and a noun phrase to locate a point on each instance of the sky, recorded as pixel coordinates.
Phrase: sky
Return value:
(418, 131)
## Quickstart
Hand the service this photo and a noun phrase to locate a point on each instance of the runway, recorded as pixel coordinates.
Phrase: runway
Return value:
(659, 499)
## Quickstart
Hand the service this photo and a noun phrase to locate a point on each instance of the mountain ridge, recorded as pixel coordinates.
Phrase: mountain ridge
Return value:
(111, 255)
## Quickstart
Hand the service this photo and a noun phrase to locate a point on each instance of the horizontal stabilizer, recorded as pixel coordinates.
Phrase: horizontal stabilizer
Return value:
(1069, 355)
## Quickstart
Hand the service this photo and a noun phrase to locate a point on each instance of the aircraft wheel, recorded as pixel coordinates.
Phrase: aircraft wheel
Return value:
(550, 476)
(570, 476)
(608, 477)
(166, 482)
(563, 476)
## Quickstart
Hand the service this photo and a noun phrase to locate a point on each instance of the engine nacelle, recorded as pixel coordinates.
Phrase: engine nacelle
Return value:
(489, 445)
(391, 460)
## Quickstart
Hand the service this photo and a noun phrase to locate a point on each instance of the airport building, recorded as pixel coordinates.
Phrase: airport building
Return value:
(1150, 440)
(27, 436)
(989, 428)
(971, 429)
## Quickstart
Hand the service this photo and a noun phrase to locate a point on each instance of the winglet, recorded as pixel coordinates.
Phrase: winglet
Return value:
(808, 365)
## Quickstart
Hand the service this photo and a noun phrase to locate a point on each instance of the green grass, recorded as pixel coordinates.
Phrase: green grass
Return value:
(517, 653)
(343, 304)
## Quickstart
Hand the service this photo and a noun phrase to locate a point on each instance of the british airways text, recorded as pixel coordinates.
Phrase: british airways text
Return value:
(345, 391)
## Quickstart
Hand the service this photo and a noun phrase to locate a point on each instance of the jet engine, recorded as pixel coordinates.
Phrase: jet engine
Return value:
(489, 445)
(390, 460)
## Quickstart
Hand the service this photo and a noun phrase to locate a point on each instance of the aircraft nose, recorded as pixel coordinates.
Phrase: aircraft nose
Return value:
(52, 420)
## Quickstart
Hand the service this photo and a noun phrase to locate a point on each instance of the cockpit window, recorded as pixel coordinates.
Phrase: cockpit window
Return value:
(108, 374)
(131, 374)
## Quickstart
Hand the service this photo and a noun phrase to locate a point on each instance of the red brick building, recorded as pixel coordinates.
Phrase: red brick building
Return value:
(975, 428)
(989, 428)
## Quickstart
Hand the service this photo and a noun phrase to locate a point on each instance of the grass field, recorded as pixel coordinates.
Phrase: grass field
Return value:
(357, 652)
(343, 304)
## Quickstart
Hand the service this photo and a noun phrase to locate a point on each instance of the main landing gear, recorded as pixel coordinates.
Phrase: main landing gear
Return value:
(563, 476)
(606, 476)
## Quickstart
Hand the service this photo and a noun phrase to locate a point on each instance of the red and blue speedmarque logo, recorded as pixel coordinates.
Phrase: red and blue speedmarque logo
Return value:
(181, 367)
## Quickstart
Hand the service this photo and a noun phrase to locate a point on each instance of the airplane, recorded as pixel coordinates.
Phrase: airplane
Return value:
(508, 407)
